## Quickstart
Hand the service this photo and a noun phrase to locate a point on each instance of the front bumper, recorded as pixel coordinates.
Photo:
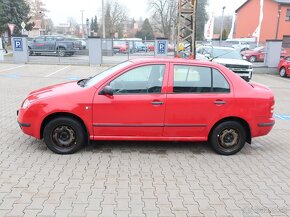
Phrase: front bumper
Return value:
(27, 122)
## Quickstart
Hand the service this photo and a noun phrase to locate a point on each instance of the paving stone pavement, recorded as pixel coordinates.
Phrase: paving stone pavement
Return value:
(137, 179)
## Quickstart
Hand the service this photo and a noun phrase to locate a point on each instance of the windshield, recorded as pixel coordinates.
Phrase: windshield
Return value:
(258, 48)
(226, 54)
(119, 42)
(92, 81)
(139, 43)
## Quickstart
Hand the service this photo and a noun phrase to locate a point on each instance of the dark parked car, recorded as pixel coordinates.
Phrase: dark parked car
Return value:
(50, 44)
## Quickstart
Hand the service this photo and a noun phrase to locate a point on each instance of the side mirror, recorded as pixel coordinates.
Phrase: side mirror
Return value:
(107, 91)
(207, 55)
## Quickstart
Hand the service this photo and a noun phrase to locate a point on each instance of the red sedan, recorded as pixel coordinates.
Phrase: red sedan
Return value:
(284, 67)
(258, 54)
(151, 99)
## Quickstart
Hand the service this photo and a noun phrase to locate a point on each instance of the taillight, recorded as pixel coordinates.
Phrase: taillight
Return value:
(272, 108)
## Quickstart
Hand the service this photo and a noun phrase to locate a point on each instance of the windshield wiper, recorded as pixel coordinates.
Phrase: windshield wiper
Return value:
(83, 82)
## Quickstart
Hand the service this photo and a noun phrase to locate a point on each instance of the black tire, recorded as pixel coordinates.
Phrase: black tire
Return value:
(64, 135)
(30, 52)
(252, 59)
(282, 72)
(228, 138)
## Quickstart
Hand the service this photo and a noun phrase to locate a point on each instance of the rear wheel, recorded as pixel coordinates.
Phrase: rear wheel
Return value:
(64, 135)
(228, 138)
(282, 72)
(252, 59)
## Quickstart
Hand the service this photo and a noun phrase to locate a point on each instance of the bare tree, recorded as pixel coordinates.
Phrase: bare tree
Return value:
(115, 18)
(38, 12)
(164, 14)
(37, 9)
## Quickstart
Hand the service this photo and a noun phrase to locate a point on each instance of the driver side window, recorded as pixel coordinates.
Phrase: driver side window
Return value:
(140, 80)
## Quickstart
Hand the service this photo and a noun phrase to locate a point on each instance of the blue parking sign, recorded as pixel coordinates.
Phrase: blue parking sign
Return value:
(18, 45)
(161, 47)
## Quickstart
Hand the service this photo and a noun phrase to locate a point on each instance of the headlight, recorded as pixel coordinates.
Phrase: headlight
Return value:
(25, 104)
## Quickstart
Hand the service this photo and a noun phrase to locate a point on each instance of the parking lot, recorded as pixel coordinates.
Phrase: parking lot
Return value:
(137, 178)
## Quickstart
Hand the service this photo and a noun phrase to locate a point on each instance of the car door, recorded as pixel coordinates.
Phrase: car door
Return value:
(137, 106)
(50, 43)
(38, 43)
(199, 97)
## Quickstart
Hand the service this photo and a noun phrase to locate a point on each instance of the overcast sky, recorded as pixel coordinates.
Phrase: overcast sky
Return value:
(60, 10)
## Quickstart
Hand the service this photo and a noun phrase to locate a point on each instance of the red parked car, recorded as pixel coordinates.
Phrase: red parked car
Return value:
(151, 99)
(284, 67)
(258, 54)
(120, 47)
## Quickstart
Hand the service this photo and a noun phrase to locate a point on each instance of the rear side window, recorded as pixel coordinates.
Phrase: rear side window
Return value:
(220, 84)
(195, 79)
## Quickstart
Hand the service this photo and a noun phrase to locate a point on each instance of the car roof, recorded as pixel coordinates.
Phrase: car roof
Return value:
(219, 48)
(172, 60)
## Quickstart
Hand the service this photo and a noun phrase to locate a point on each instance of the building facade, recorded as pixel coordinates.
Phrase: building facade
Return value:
(274, 25)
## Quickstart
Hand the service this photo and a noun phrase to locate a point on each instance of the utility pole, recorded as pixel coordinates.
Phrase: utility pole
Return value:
(186, 25)
(222, 26)
(103, 19)
(82, 11)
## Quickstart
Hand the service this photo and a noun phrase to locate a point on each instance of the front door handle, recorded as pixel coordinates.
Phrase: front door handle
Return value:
(219, 102)
(157, 103)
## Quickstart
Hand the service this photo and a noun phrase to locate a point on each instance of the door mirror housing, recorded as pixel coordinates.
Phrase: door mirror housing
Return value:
(107, 91)
(207, 55)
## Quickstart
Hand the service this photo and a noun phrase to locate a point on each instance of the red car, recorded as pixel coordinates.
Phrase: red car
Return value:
(151, 99)
(150, 46)
(284, 67)
(120, 47)
(258, 54)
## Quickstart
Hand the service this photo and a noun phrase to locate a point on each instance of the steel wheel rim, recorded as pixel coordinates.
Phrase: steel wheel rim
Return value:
(282, 72)
(252, 59)
(61, 52)
(64, 136)
(228, 138)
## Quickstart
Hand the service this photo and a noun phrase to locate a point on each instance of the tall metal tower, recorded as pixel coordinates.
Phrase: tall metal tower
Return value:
(186, 24)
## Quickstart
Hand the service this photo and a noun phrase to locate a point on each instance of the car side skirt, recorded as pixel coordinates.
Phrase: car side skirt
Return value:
(146, 138)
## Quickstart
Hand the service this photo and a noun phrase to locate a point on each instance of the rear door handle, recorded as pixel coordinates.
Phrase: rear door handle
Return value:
(157, 103)
(219, 102)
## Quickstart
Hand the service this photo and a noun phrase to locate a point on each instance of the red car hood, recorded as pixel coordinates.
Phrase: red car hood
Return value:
(54, 90)
(248, 52)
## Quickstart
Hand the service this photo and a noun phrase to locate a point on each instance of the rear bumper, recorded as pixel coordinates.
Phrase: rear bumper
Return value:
(263, 127)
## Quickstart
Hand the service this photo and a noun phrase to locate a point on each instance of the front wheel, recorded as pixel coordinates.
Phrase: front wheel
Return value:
(61, 52)
(282, 72)
(228, 138)
(64, 135)
(252, 59)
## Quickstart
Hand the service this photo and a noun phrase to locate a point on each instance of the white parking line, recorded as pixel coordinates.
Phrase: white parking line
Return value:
(8, 69)
(56, 71)
(279, 77)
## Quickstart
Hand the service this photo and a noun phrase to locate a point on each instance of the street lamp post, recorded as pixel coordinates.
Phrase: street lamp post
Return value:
(222, 25)
(103, 19)
(82, 11)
